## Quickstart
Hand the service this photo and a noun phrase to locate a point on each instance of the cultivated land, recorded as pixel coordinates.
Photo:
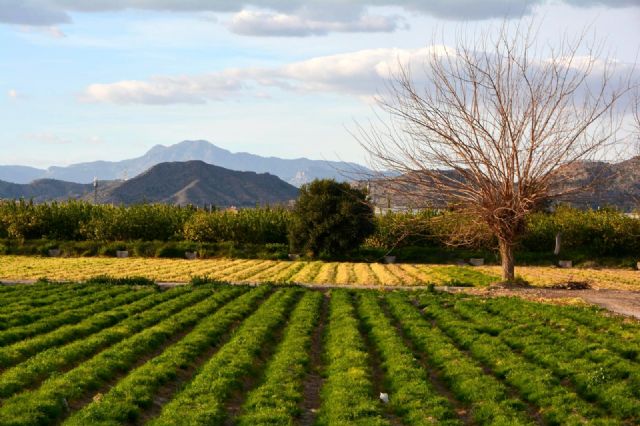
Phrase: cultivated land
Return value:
(80, 354)
(258, 271)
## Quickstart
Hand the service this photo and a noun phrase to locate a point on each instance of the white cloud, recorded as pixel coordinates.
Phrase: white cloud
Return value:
(13, 94)
(164, 90)
(255, 23)
(360, 73)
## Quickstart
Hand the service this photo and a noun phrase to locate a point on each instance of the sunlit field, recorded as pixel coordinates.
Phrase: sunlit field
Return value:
(315, 272)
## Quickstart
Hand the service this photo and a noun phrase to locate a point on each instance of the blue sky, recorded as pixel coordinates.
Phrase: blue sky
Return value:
(88, 80)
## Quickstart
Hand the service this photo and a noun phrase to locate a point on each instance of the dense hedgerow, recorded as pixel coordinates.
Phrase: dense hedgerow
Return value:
(82, 221)
(604, 232)
(157, 230)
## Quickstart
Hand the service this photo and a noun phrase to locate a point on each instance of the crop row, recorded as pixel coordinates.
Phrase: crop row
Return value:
(105, 300)
(202, 401)
(51, 399)
(347, 391)
(21, 315)
(588, 324)
(38, 297)
(489, 399)
(277, 400)
(413, 396)
(52, 359)
(557, 404)
(134, 393)
(597, 373)
(214, 354)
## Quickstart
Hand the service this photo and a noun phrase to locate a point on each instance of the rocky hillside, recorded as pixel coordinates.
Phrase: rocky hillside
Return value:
(191, 182)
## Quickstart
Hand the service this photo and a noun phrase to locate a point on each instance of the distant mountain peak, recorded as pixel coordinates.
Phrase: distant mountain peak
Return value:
(295, 171)
(190, 182)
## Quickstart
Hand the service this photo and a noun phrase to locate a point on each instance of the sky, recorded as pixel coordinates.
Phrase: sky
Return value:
(86, 80)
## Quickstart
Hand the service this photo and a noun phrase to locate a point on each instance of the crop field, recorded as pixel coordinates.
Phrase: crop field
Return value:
(315, 272)
(80, 354)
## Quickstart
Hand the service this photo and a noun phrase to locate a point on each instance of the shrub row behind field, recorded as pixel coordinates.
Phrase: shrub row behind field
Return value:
(82, 221)
(168, 231)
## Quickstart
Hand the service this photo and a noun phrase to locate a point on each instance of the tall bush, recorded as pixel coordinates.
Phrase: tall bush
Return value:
(329, 219)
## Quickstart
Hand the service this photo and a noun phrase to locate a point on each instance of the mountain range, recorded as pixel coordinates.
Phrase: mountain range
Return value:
(189, 182)
(294, 171)
(607, 184)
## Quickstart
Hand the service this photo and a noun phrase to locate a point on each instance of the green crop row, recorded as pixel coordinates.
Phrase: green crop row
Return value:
(134, 393)
(39, 296)
(411, 394)
(12, 354)
(107, 300)
(277, 399)
(51, 400)
(488, 398)
(557, 404)
(597, 373)
(139, 315)
(202, 400)
(587, 323)
(29, 312)
(347, 394)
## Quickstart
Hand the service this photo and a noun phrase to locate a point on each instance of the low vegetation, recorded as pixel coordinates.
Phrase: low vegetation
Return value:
(215, 353)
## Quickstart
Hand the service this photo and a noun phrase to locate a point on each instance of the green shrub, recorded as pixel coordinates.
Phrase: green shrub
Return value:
(256, 226)
(330, 219)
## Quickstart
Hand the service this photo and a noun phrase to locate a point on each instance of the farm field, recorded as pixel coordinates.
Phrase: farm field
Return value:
(80, 354)
(256, 271)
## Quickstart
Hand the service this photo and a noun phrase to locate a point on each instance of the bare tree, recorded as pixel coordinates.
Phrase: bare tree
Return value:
(636, 118)
(494, 125)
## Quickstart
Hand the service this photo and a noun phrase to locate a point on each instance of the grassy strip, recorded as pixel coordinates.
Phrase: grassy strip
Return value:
(558, 405)
(487, 397)
(49, 402)
(136, 319)
(107, 300)
(411, 395)
(597, 374)
(134, 393)
(347, 394)
(202, 400)
(277, 399)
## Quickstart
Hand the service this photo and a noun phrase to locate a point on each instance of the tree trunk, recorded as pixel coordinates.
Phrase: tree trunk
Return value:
(508, 264)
